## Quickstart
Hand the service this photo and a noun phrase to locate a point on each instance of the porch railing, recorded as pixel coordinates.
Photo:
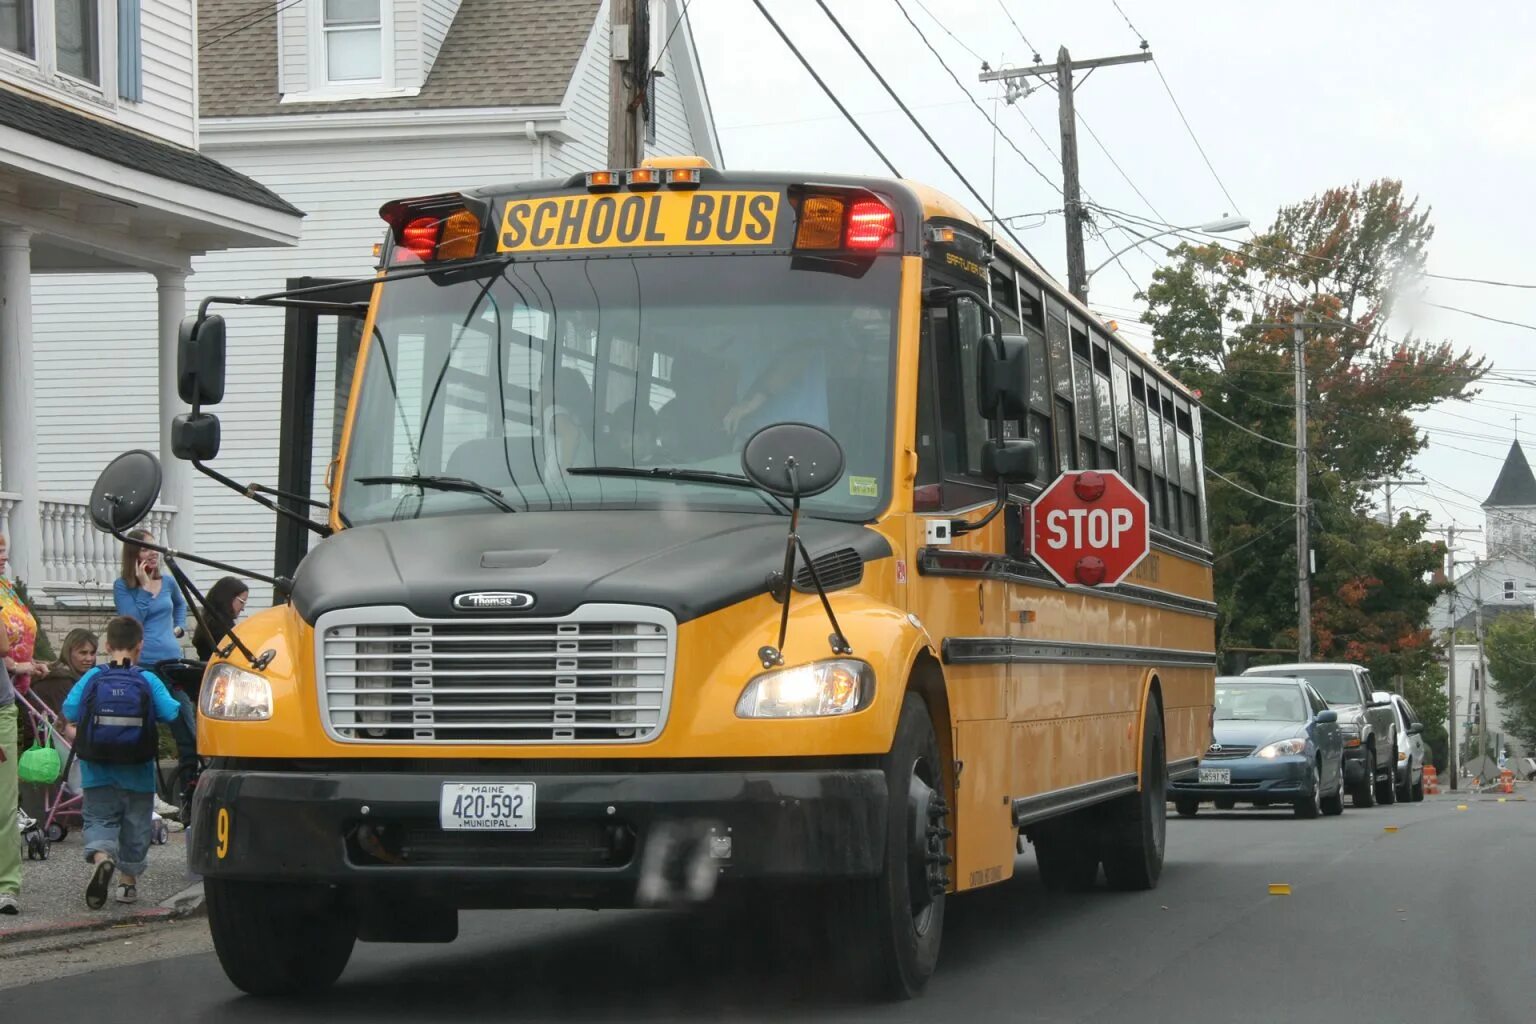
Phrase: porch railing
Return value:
(76, 555)
(7, 502)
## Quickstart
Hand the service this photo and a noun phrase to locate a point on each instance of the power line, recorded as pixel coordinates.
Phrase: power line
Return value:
(979, 108)
(1480, 316)
(1282, 524)
(1251, 493)
(1246, 430)
(916, 123)
(662, 53)
(265, 16)
(828, 90)
(945, 29)
(1115, 163)
(1033, 51)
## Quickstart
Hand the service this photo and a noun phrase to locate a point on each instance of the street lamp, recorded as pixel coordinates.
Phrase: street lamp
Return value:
(1214, 227)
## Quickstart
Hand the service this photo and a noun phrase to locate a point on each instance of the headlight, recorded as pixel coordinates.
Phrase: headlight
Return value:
(835, 687)
(235, 695)
(1284, 748)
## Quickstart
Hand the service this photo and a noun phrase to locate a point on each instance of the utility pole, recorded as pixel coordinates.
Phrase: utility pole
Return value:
(1071, 191)
(1453, 751)
(628, 63)
(1387, 486)
(1482, 666)
(1303, 541)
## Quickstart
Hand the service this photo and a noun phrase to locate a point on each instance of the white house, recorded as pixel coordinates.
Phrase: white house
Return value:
(105, 202)
(338, 107)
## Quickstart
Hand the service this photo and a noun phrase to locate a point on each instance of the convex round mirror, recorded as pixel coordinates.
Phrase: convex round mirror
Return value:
(125, 491)
(790, 459)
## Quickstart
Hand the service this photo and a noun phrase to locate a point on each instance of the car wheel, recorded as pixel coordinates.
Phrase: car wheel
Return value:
(1187, 806)
(1418, 788)
(274, 939)
(1307, 806)
(1405, 791)
(1225, 803)
(1365, 793)
(1333, 803)
(1386, 788)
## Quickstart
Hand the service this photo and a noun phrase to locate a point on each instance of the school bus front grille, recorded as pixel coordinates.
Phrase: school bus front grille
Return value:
(600, 675)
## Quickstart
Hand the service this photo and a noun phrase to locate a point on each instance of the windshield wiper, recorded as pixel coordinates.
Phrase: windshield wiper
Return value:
(442, 483)
(695, 476)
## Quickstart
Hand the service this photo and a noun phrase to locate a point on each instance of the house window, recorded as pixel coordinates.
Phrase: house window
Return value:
(353, 38)
(1509, 590)
(77, 35)
(16, 27)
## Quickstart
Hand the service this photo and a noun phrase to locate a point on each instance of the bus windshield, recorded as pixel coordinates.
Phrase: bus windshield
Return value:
(511, 376)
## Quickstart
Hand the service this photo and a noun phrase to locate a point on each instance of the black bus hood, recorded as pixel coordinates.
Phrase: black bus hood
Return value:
(687, 561)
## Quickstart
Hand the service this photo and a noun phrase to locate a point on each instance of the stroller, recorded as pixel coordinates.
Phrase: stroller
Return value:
(62, 803)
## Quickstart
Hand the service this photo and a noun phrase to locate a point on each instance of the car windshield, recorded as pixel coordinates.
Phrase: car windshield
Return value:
(1259, 702)
(1336, 686)
(512, 376)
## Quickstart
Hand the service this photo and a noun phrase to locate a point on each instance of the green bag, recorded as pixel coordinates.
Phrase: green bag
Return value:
(40, 765)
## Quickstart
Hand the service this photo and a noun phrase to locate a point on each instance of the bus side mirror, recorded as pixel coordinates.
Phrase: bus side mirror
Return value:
(200, 360)
(195, 436)
(1002, 378)
(1010, 461)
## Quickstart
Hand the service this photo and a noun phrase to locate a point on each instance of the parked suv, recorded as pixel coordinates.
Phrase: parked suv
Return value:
(1369, 726)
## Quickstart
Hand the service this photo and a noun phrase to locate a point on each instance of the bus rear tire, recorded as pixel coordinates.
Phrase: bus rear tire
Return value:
(1135, 827)
(274, 939)
(1067, 854)
(890, 927)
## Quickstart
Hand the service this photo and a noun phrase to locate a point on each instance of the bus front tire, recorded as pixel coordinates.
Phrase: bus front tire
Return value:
(274, 939)
(889, 927)
(1136, 825)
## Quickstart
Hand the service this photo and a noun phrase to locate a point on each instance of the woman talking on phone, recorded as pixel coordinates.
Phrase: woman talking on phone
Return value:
(140, 592)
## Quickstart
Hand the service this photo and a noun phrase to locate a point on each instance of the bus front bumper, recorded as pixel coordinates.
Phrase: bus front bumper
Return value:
(596, 835)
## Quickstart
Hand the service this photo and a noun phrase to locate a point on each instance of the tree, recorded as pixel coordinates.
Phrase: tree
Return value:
(1220, 321)
(1510, 645)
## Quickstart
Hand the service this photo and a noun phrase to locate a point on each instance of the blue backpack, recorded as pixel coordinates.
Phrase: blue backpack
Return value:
(117, 718)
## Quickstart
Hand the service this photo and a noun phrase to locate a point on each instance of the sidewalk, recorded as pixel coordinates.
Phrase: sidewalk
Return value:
(53, 892)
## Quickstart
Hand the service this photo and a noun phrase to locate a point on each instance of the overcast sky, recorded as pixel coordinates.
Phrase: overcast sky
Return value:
(1287, 99)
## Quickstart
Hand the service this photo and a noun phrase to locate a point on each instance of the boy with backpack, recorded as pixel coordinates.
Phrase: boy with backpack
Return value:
(115, 708)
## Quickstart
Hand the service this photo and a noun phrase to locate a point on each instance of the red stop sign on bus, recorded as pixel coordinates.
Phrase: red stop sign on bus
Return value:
(1089, 528)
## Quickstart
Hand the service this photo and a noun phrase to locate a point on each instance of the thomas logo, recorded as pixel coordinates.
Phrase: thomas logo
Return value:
(493, 601)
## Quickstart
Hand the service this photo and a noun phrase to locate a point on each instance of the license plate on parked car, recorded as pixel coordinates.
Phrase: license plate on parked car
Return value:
(488, 806)
(1215, 776)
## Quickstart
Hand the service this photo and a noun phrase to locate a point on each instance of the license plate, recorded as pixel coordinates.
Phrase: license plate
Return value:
(1215, 776)
(487, 806)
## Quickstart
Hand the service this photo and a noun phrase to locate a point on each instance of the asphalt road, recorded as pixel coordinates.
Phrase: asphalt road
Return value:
(1433, 922)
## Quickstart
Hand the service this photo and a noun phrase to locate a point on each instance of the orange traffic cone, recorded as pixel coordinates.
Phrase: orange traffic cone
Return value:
(1507, 781)
(1431, 780)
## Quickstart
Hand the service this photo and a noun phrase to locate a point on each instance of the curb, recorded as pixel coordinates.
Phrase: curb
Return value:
(185, 904)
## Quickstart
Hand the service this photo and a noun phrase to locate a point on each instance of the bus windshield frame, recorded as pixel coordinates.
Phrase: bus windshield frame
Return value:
(637, 360)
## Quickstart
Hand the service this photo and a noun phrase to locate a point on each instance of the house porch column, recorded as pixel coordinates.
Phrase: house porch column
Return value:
(18, 421)
(176, 488)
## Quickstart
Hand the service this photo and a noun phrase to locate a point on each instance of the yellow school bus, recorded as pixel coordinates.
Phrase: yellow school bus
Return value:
(538, 662)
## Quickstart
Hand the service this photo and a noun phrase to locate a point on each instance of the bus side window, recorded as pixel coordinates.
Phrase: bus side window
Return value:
(959, 410)
(950, 341)
(1059, 348)
(926, 443)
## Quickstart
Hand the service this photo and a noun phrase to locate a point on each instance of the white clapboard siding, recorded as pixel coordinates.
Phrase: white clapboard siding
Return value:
(588, 100)
(436, 17)
(293, 48)
(406, 15)
(166, 110)
(108, 361)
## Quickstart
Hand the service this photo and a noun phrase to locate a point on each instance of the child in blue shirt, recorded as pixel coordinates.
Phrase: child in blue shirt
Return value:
(119, 798)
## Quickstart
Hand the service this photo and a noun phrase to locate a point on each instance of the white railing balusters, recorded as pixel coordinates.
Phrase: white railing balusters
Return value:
(77, 557)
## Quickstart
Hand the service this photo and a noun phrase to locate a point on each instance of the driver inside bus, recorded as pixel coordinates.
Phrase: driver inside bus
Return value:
(779, 381)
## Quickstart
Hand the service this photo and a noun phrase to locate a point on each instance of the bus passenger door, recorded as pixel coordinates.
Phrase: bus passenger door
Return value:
(958, 592)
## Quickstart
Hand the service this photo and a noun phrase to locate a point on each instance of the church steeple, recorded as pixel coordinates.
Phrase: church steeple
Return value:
(1511, 509)
(1516, 485)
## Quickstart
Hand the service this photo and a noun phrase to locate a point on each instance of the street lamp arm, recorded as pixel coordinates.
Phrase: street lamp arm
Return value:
(1121, 252)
